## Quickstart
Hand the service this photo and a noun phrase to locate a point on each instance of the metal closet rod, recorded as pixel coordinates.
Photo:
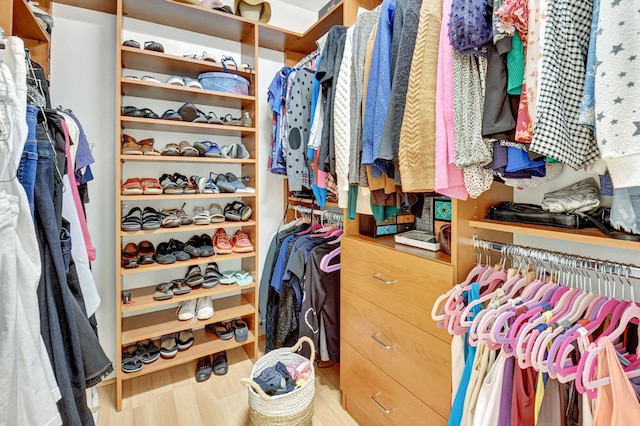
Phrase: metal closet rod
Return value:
(322, 213)
(562, 259)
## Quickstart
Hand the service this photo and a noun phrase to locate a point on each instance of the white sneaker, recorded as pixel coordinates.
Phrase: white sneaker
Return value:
(187, 310)
(190, 82)
(205, 308)
(176, 80)
(150, 79)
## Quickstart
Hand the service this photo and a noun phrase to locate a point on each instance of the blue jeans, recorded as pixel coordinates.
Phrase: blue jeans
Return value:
(625, 209)
(29, 159)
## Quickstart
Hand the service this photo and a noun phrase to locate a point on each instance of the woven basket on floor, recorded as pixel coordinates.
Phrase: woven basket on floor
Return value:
(293, 408)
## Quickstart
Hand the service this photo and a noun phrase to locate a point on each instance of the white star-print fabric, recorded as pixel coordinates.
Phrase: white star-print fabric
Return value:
(617, 90)
(557, 133)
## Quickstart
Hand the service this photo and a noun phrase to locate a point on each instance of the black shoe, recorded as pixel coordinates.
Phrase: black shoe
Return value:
(220, 365)
(177, 249)
(203, 371)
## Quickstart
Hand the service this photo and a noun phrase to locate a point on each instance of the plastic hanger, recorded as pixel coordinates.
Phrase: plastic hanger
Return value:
(324, 263)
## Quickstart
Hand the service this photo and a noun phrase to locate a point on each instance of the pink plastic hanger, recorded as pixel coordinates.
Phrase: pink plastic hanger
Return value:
(324, 263)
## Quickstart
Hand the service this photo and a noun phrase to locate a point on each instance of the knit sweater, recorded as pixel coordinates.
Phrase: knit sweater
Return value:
(361, 32)
(378, 88)
(417, 137)
(405, 29)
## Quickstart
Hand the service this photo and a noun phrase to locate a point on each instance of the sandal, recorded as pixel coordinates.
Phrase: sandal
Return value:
(168, 347)
(220, 364)
(180, 287)
(147, 253)
(150, 79)
(132, 221)
(131, 360)
(147, 113)
(187, 150)
(171, 115)
(130, 146)
(131, 43)
(169, 186)
(153, 46)
(201, 216)
(206, 246)
(133, 186)
(212, 118)
(171, 149)
(230, 121)
(243, 278)
(208, 149)
(131, 111)
(185, 219)
(184, 183)
(222, 183)
(212, 275)
(200, 118)
(208, 186)
(130, 256)
(216, 213)
(237, 211)
(184, 339)
(151, 186)
(169, 219)
(241, 330)
(221, 329)
(146, 145)
(148, 351)
(177, 249)
(235, 150)
(194, 276)
(150, 219)
(237, 183)
(163, 291)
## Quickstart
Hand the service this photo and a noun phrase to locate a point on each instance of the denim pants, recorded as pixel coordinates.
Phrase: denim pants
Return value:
(625, 209)
(29, 159)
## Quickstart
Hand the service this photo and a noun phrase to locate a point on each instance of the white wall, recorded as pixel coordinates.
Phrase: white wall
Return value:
(83, 79)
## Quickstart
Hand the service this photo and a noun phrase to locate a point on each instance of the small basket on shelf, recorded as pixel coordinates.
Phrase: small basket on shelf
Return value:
(289, 409)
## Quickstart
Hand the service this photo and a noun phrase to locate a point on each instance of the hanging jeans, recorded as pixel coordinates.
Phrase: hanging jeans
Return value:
(29, 159)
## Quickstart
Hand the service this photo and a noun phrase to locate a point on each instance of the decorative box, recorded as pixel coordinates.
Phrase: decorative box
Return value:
(442, 208)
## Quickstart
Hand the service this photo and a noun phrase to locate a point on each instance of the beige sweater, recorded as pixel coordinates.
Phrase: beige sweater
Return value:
(416, 151)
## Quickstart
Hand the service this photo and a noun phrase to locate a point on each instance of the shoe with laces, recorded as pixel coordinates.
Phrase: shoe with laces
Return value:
(241, 242)
(187, 310)
(204, 309)
(221, 242)
(190, 82)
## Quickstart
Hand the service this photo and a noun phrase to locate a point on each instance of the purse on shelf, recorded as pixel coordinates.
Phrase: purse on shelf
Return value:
(535, 215)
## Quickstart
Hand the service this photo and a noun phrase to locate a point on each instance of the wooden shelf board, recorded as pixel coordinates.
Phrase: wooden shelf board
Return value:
(197, 19)
(167, 92)
(196, 261)
(25, 24)
(106, 6)
(191, 228)
(180, 159)
(143, 297)
(204, 344)
(164, 63)
(183, 127)
(308, 201)
(584, 236)
(158, 323)
(188, 196)
(388, 241)
(276, 38)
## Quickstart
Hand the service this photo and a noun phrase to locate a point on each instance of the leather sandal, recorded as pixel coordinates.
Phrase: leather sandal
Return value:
(147, 252)
(130, 256)
(132, 186)
(151, 186)
(187, 150)
(130, 146)
(170, 149)
(146, 145)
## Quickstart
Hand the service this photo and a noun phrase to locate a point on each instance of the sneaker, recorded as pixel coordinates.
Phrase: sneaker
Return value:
(176, 80)
(241, 242)
(190, 82)
(203, 370)
(168, 347)
(221, 242)
(205, 308)
(187, 310)
(184, 339)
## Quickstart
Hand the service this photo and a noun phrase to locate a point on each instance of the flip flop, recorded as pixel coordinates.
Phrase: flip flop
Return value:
(163, 291)
(243, 278)
(179, 287)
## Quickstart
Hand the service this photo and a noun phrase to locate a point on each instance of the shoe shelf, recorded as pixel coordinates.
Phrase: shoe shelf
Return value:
(156, 324)
(187, 196)
(197, 261)
(160, 125)
(310, 201)
(204, 344)
(163, 63)
(584, 236)
(169, 92)
(191, 228)
(143, 297)
(181, 159)
(25, 24)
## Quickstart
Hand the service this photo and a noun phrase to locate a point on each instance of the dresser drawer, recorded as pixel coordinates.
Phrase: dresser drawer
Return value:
(411, 356)
(365, 386)
(412, 283)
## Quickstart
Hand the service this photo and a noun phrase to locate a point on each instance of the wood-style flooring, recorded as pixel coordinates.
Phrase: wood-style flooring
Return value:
(173, 397)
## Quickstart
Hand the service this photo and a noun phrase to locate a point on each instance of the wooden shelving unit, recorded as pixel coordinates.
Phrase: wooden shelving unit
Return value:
(180, 159)
(191, 228)
(17, 19)
(183, 127)
(188, 196)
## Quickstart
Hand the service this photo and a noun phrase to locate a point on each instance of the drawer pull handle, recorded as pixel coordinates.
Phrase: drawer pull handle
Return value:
(377, 277)
(375, 337)
(373, 398)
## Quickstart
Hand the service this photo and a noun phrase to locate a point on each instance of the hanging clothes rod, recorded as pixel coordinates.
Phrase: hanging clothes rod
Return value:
(561, 259)
(333, 216)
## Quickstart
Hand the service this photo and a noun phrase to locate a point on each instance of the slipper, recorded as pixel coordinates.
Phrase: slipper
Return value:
(203, 370)
(154, 46)
(211, 276)
(132, 186)
(169, 346)
(147, 252)
(151, 186)
(241, 330)
(187, 150)
(216, 213)
(194, 276)
(201, 216)
(132, 221)
(237, 211)
(188, 111)
(146, 146)
(243, 278)
(184, 339)
(221, 329)
(131, 43)
(180, 287)
(170, 149)
(171, 115)
(220, 364)
(130, 146)
(163, 291)
(131, 111)
(150, 219)
(131, 360)
(130, 256)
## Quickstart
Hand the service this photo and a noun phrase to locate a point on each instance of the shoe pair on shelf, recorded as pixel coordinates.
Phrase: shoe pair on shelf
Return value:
(174, 342)
(135, 356)
(222, 182)
(141, 186)
(148, 45)
(226, 330)
(201, 308)
(177, 184)
(205, 217)
(239, 243)
(205, 367)
(150, 219)
(182, 81)
(130, 146)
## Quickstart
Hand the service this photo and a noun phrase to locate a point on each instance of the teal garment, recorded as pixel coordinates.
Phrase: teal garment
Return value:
(382, 213)
(515, 66)
(457, 409)
(352, 202)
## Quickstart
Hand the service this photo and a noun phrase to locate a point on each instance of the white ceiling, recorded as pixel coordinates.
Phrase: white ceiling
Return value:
(312, 5)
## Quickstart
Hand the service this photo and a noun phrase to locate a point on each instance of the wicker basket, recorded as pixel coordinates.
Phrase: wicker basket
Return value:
(293, 408)
(224, 82)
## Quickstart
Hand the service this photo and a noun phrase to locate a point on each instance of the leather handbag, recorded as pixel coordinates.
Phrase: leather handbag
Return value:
(533, 214)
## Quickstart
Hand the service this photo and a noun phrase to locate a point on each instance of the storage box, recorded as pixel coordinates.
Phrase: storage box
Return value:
(418, 239)
(327, 8)
(393, 225)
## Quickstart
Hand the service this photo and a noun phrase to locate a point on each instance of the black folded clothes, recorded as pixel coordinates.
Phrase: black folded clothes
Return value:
(275, 380)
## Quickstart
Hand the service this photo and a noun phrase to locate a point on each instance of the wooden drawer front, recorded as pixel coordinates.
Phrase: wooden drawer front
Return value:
(361, 381)
(415, 358)
(417, 282)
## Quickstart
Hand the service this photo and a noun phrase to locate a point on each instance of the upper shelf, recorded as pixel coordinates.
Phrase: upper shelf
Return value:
(218, 24)
(584, 236)
(25, 24)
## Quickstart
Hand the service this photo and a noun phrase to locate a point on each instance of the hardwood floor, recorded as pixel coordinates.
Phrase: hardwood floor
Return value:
(173, 397)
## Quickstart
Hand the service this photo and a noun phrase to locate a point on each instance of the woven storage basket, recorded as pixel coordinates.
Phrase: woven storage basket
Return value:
(224, 82)
(293, 408)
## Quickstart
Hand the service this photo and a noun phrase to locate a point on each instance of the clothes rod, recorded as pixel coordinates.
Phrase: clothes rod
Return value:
(619, 269)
